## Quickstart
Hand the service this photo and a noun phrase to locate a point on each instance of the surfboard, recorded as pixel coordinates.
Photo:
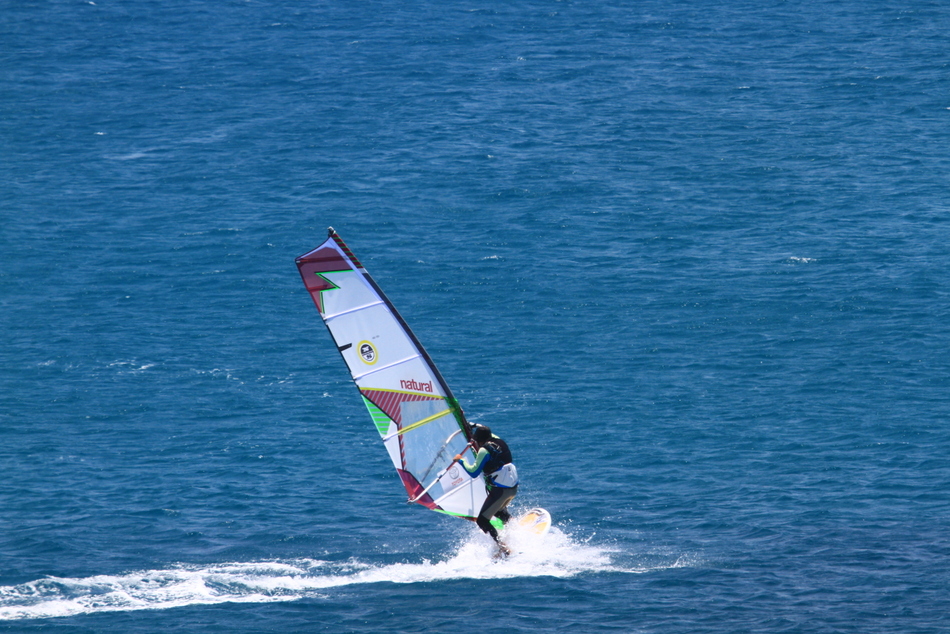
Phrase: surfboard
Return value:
(536, 521)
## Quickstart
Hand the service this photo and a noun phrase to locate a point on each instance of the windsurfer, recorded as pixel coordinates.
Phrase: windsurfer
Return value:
(493, 459)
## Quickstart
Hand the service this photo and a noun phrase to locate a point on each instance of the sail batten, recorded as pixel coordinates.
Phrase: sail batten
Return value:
(410, 404)
(351, 310)
(357, 377)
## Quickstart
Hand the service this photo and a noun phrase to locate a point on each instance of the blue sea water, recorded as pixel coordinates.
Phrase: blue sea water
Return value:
(689, 258)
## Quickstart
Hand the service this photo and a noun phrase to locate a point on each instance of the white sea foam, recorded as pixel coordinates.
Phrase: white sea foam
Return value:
(130, 366)
(557, 555)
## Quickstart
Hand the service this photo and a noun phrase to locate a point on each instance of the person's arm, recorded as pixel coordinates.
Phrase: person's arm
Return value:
(480, 459)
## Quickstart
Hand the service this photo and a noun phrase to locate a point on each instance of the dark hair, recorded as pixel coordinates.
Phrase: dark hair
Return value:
(481, 434)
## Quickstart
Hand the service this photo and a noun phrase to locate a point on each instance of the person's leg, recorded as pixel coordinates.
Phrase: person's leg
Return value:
(488, 511)
(495, 504)
(485, 524)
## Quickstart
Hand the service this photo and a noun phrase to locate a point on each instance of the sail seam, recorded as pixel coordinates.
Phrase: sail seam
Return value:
(385, 367)
(352, 310)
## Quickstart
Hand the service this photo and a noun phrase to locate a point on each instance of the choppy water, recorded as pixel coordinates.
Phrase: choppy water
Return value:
(691, 261)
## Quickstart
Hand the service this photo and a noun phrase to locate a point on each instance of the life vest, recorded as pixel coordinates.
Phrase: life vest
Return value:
(498, 454)
(498, 468)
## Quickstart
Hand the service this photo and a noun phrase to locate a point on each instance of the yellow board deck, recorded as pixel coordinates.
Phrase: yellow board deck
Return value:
(536, 521)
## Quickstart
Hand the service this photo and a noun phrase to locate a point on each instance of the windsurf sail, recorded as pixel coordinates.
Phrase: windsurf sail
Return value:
(419, 420)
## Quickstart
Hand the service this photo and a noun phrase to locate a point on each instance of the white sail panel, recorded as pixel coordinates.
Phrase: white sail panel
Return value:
(411, 406)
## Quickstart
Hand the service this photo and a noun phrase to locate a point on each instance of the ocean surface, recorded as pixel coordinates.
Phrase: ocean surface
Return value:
(690, 259)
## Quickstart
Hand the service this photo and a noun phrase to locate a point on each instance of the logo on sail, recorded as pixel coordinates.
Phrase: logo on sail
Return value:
(416, 386)
(367, 352)
(454, 478)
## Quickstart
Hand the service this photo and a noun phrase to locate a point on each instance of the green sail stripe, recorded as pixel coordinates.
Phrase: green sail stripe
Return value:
(379, 417)
(497, 523)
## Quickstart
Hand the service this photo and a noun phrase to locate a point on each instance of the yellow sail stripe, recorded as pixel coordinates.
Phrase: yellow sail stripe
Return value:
(427, 419)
